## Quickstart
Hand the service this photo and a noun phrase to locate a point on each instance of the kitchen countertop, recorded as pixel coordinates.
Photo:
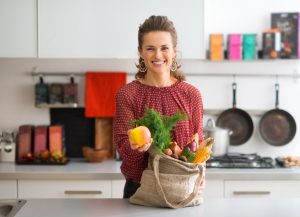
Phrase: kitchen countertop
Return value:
(229, 207)
(110, 169)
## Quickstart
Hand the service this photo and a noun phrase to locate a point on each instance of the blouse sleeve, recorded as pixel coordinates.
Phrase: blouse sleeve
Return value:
(197, 113)
(124, 113)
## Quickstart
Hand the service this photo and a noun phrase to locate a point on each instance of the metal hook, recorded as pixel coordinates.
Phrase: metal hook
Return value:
(72, 78)
(41, 78)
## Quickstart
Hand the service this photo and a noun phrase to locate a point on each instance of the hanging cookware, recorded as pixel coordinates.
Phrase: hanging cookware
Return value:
(277, 127)
(236, 120)
(221, 137)
(41, 92)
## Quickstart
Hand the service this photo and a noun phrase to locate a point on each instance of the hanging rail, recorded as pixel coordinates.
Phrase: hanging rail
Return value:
(294, 75)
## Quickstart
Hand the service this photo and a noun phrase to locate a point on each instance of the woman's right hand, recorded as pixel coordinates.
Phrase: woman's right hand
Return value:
(143, 148)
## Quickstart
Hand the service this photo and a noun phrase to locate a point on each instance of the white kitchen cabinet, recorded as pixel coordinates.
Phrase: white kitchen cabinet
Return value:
(8, 189)
(264, 188)
(18, 28)
(64, 189)
(108, 28)
(117, 187)
(213, 188)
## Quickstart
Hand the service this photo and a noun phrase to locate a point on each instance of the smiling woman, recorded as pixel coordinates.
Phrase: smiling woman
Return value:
(157, 46)
(159, 85)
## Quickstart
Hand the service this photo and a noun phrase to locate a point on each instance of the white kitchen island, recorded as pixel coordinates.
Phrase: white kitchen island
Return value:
(229, 207)
(104, 180)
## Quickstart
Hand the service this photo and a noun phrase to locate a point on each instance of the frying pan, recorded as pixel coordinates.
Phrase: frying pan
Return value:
(277, 127)
(236, 120)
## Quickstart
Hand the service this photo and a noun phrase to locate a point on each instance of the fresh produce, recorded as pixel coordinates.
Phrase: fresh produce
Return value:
(289, 160)
(204, 151)
(27, 157)
(56, 155)
(140, 136)
(44, 157)
(160, 129)
(160, 126)
(45, 154)
(193, 144)
(192, 152)
(175, 148)
(168, 151)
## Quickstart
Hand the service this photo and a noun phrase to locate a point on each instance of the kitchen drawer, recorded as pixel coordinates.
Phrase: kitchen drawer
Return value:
(64, 189)
(213, 188)
(117, 187)
(8, 189)
(264, 188)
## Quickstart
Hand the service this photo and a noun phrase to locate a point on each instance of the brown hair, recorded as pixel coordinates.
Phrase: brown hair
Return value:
(157, 23)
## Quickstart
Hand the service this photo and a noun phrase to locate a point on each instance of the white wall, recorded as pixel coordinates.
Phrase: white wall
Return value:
(17, 91)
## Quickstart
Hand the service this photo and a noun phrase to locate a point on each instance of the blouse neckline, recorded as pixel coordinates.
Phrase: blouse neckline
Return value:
(157, 88)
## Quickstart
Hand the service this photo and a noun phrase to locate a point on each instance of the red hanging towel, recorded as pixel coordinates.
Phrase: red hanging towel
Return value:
(100, 92)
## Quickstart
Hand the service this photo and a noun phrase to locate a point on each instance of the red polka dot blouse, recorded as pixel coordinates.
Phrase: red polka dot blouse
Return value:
(131, 101)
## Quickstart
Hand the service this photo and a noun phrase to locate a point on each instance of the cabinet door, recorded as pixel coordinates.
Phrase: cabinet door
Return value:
(64, 189)
(18, 28)
(117, 187)
(262, 188)
(8, 189)
(213, 188)
(108, 28)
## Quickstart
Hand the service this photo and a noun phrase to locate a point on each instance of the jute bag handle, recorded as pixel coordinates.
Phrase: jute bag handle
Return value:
(162, 193)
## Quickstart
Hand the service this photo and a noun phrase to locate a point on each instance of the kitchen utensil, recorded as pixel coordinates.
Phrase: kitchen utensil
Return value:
(7, 146)
(238, 121)
(104, 135)
(70, 90)
(221, 137)
(94, 155)
(41, 92)
(277, 127)
(55, 93)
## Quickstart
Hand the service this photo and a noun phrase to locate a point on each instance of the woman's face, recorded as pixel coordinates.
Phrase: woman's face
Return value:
(158, 51)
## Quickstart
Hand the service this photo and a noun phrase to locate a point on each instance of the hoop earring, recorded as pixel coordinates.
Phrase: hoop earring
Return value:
(142, 66)
(174, 65)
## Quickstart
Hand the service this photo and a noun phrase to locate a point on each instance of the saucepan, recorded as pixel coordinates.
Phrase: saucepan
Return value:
(236, 120)
(277, 127)
(220, 135)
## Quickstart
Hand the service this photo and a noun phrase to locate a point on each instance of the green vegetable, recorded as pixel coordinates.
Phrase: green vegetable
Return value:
(160, 126)
(191, 157)
(186, 151)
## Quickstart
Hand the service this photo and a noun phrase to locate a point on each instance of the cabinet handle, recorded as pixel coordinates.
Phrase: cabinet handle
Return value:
(251, 192)
(82, 192)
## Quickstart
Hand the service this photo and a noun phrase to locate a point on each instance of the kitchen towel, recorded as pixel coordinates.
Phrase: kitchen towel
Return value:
(100, 93)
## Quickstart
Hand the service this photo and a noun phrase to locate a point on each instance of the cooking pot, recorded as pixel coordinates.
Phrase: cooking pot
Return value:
(221, 137)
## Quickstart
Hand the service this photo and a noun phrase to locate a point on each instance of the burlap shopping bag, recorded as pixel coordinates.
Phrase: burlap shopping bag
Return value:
(168, 182)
